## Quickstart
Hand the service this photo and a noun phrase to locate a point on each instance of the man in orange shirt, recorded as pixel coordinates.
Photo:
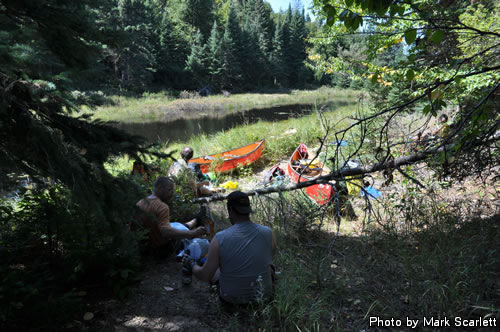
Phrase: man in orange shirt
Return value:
(157, 217)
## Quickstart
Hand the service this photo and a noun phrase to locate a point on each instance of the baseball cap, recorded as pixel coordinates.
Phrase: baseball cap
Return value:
(240, 202)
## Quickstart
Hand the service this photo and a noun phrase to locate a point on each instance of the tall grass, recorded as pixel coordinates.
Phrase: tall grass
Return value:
(164, 107)
(282, 137)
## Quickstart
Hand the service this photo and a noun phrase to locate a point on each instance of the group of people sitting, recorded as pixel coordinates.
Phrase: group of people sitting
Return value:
(239, 259)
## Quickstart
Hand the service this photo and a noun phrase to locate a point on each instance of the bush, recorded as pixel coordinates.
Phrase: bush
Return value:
(51, 247)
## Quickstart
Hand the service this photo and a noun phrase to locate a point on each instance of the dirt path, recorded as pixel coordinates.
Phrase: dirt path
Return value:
(159, 302)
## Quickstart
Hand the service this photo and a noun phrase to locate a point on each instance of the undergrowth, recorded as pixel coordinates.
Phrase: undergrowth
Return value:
(447, 267)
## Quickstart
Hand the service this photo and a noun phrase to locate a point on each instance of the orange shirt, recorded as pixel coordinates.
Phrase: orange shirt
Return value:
(153, 206)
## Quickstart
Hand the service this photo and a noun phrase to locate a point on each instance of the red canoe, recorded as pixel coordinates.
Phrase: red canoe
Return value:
(298, 164)
(231, 159)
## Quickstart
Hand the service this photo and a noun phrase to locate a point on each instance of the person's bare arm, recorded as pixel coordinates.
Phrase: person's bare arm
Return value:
(168, 231)
(207, 271)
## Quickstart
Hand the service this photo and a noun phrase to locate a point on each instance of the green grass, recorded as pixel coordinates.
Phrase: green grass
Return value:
(165, 107)
(280, 141)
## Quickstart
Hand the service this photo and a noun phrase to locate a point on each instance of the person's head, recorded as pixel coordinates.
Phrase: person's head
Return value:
(443, 118)
(164, 188)
(238, 206)
(187, 153)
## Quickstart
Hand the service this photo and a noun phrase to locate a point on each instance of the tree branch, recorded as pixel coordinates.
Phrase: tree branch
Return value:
(334, 176)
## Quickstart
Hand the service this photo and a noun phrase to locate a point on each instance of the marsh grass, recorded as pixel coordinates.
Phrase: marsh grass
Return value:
(280, 142)
(164, 107)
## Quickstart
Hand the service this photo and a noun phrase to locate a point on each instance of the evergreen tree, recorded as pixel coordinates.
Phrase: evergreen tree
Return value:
(252, 59)
(214, 56)
(199, 14)
(297, 48)
(39, 136)
(134, 61)
(231, 49)
(172, 53)
(287, 51)
(196, 62)
(278, 56)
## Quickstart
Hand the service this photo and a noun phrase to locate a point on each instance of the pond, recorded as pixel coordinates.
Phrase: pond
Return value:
(183, 129)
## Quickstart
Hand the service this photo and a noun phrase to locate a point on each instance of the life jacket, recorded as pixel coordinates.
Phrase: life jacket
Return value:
(303, 154)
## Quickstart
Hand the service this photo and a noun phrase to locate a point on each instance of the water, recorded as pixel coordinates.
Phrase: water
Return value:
(183, 129)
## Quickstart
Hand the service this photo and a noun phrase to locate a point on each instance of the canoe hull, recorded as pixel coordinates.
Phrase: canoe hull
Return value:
(320, 193)
(231, 159)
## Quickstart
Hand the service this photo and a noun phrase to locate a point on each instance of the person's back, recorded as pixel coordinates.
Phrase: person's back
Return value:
(245, 259)
(242, 254)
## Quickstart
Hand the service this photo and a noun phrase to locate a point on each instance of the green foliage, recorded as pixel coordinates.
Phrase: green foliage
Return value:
(231, 52)
(415, 64)
(196, 61)
(52, 246)
(72, 230)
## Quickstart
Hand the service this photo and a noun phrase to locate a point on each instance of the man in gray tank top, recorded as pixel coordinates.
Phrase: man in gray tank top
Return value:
(242, 254)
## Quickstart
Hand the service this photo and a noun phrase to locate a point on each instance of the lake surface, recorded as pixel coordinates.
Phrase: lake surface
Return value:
(183, 129)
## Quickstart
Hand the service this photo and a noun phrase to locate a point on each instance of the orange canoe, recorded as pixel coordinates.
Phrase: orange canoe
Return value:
(231, 159)
(301, 169)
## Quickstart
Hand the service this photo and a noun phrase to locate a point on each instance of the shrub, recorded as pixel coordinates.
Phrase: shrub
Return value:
(52, 246)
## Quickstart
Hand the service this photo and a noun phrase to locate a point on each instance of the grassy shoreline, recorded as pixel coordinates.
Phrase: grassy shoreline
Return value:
(163, 107)
(282, 137)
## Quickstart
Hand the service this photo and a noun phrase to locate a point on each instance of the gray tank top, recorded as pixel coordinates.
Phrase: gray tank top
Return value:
(245, 258)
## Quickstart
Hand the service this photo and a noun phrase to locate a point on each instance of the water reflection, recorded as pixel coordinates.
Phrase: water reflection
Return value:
(183, 129)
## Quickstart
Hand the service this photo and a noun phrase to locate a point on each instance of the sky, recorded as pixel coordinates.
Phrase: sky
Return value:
(283, 4)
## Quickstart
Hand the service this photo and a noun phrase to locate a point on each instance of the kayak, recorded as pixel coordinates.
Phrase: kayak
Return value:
(301, 168)
(228, 160)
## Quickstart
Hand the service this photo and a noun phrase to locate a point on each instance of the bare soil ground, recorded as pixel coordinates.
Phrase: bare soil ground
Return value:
(159, 302)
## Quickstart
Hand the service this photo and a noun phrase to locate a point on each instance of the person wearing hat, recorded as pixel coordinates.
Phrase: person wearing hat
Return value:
(240, 257)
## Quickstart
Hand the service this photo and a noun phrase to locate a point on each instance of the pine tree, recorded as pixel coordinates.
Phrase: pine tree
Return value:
(215, 57)
(135, 59)
(199, 14)
(196, 62)
(278, 56)
(264, 26)
(252, 60)
(38, 135)
(231, 48)
(297, 48)
(287, 51)
(173, 51)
